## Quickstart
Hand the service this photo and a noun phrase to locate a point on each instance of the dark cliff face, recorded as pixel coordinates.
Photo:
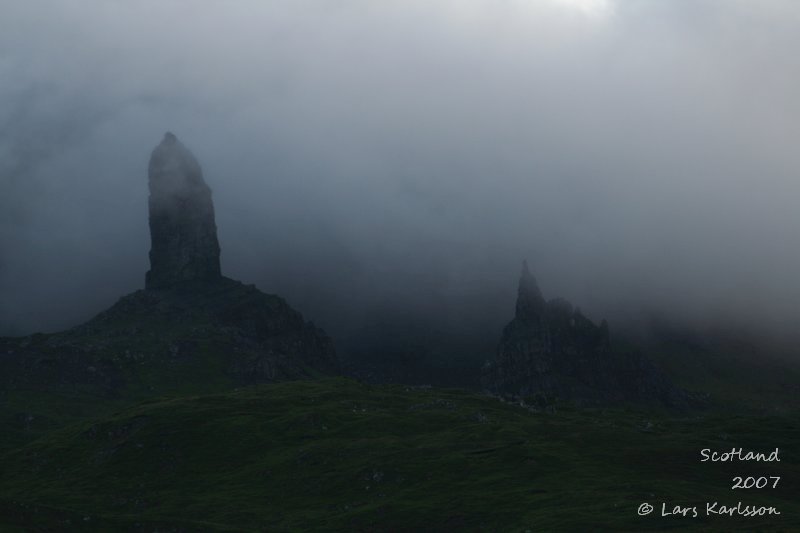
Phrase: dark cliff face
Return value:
(551, 351)
(184, 245)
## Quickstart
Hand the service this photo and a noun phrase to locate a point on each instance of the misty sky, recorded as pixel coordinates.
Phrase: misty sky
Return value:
(372, 157)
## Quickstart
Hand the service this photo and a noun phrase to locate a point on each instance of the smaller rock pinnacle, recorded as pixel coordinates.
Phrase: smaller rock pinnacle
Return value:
(530, 302)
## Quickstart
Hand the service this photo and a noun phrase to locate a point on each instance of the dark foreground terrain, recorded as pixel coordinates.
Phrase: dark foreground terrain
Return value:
(334, 454)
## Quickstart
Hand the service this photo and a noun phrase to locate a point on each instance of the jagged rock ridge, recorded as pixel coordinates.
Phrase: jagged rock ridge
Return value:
(551, 351)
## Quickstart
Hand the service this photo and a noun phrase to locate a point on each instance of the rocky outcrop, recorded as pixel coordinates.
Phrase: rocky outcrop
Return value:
(550, 351)
(183, 232)
(190, 328)
(196, 336)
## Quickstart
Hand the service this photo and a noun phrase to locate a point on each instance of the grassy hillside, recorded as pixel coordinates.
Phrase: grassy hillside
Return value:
(338, 455)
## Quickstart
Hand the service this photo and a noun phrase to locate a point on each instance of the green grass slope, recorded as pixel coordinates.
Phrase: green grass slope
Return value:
(334, 454)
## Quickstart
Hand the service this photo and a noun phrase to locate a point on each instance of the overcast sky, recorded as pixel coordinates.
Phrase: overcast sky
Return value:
(375, 155)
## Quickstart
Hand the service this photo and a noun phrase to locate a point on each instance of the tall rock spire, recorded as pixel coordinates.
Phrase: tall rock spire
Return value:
(183, 232)
(530, 302)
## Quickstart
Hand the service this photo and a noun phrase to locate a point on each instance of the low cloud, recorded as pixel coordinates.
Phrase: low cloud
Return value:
(408, 155)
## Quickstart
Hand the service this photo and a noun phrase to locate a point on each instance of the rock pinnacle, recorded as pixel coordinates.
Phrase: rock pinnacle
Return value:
(184, 245)
(530, 302)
